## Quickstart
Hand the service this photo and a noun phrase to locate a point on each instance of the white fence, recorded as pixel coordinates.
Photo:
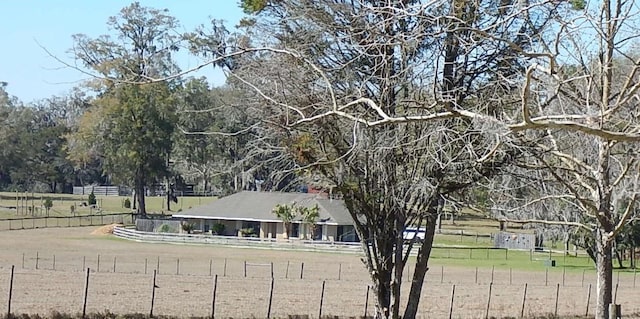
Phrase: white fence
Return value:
(98, 190)
(270, 243)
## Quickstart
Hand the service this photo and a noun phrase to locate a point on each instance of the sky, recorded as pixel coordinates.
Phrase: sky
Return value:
(28, 26)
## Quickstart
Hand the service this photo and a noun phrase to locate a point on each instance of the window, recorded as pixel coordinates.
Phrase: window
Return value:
(295, 230)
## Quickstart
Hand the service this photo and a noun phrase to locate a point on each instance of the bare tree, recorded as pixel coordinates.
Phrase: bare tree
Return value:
(577, 96)
(581, 101)
(389, 103)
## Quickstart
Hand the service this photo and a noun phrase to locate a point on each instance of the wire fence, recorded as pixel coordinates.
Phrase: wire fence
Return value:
(66, 221)
(230, 287)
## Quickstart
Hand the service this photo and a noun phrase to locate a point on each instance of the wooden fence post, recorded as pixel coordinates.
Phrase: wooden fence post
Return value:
(213, 298)
(586, 313)
(321, 300)
(524, 300)
(153, 293)
(555, 313)
(453, 293)
(270, 298)
(245, 269)
(493, 268)
(546, 276)
(301, 270)
(366, 302)
(286, 273)
(486, 315)
(86, 292)
(10, 293)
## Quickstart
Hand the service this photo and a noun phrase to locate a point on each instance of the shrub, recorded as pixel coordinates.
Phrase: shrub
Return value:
(127, 203)
(164, 228)
(92, 199)
(47, 204)
(188, 227)
(247, 232)
(217, 229)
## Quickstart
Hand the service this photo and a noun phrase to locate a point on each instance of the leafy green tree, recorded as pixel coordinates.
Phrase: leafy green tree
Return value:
(198, 150)
(286, 213)
(310, 217)
(91, 200)
(133, 124)
(47, 204)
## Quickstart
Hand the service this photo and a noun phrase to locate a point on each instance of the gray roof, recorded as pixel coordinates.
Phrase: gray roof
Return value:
(258, 206)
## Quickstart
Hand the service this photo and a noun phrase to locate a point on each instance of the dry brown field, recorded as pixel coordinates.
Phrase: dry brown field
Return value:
(121, 275)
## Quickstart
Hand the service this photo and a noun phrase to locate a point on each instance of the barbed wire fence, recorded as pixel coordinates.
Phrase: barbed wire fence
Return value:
(233, 287)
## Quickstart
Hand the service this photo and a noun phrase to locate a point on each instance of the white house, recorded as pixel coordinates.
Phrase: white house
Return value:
(254, 210)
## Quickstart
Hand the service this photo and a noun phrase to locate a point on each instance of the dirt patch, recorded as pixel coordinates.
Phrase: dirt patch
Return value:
(106, 229)
(51, 272)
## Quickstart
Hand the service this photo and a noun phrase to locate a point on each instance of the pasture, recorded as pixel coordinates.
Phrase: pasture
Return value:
(62, 204)
(50, 275)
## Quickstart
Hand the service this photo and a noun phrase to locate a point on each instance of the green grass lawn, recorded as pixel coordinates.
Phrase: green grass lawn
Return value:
(108, 204)
(500, 258)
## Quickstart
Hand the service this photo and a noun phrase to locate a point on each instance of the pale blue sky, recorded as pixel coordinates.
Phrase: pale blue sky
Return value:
(32, 74)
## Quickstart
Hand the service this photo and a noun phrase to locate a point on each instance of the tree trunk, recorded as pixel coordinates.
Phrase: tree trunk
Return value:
(604, 283)
(383, 292)
(619, 259)
(421, 268)
(398, 267)
(286, 227)
(142, 210)
(168, 197)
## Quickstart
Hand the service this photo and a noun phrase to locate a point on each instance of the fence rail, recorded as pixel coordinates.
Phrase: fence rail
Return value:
(132, 234)
(66, 221)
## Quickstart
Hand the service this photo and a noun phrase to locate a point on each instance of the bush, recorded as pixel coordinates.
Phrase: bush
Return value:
(188, 227)
(247, 232)
(48, 203)
(217, 229)
(164, 228)
(127, 203)
(92, 199)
